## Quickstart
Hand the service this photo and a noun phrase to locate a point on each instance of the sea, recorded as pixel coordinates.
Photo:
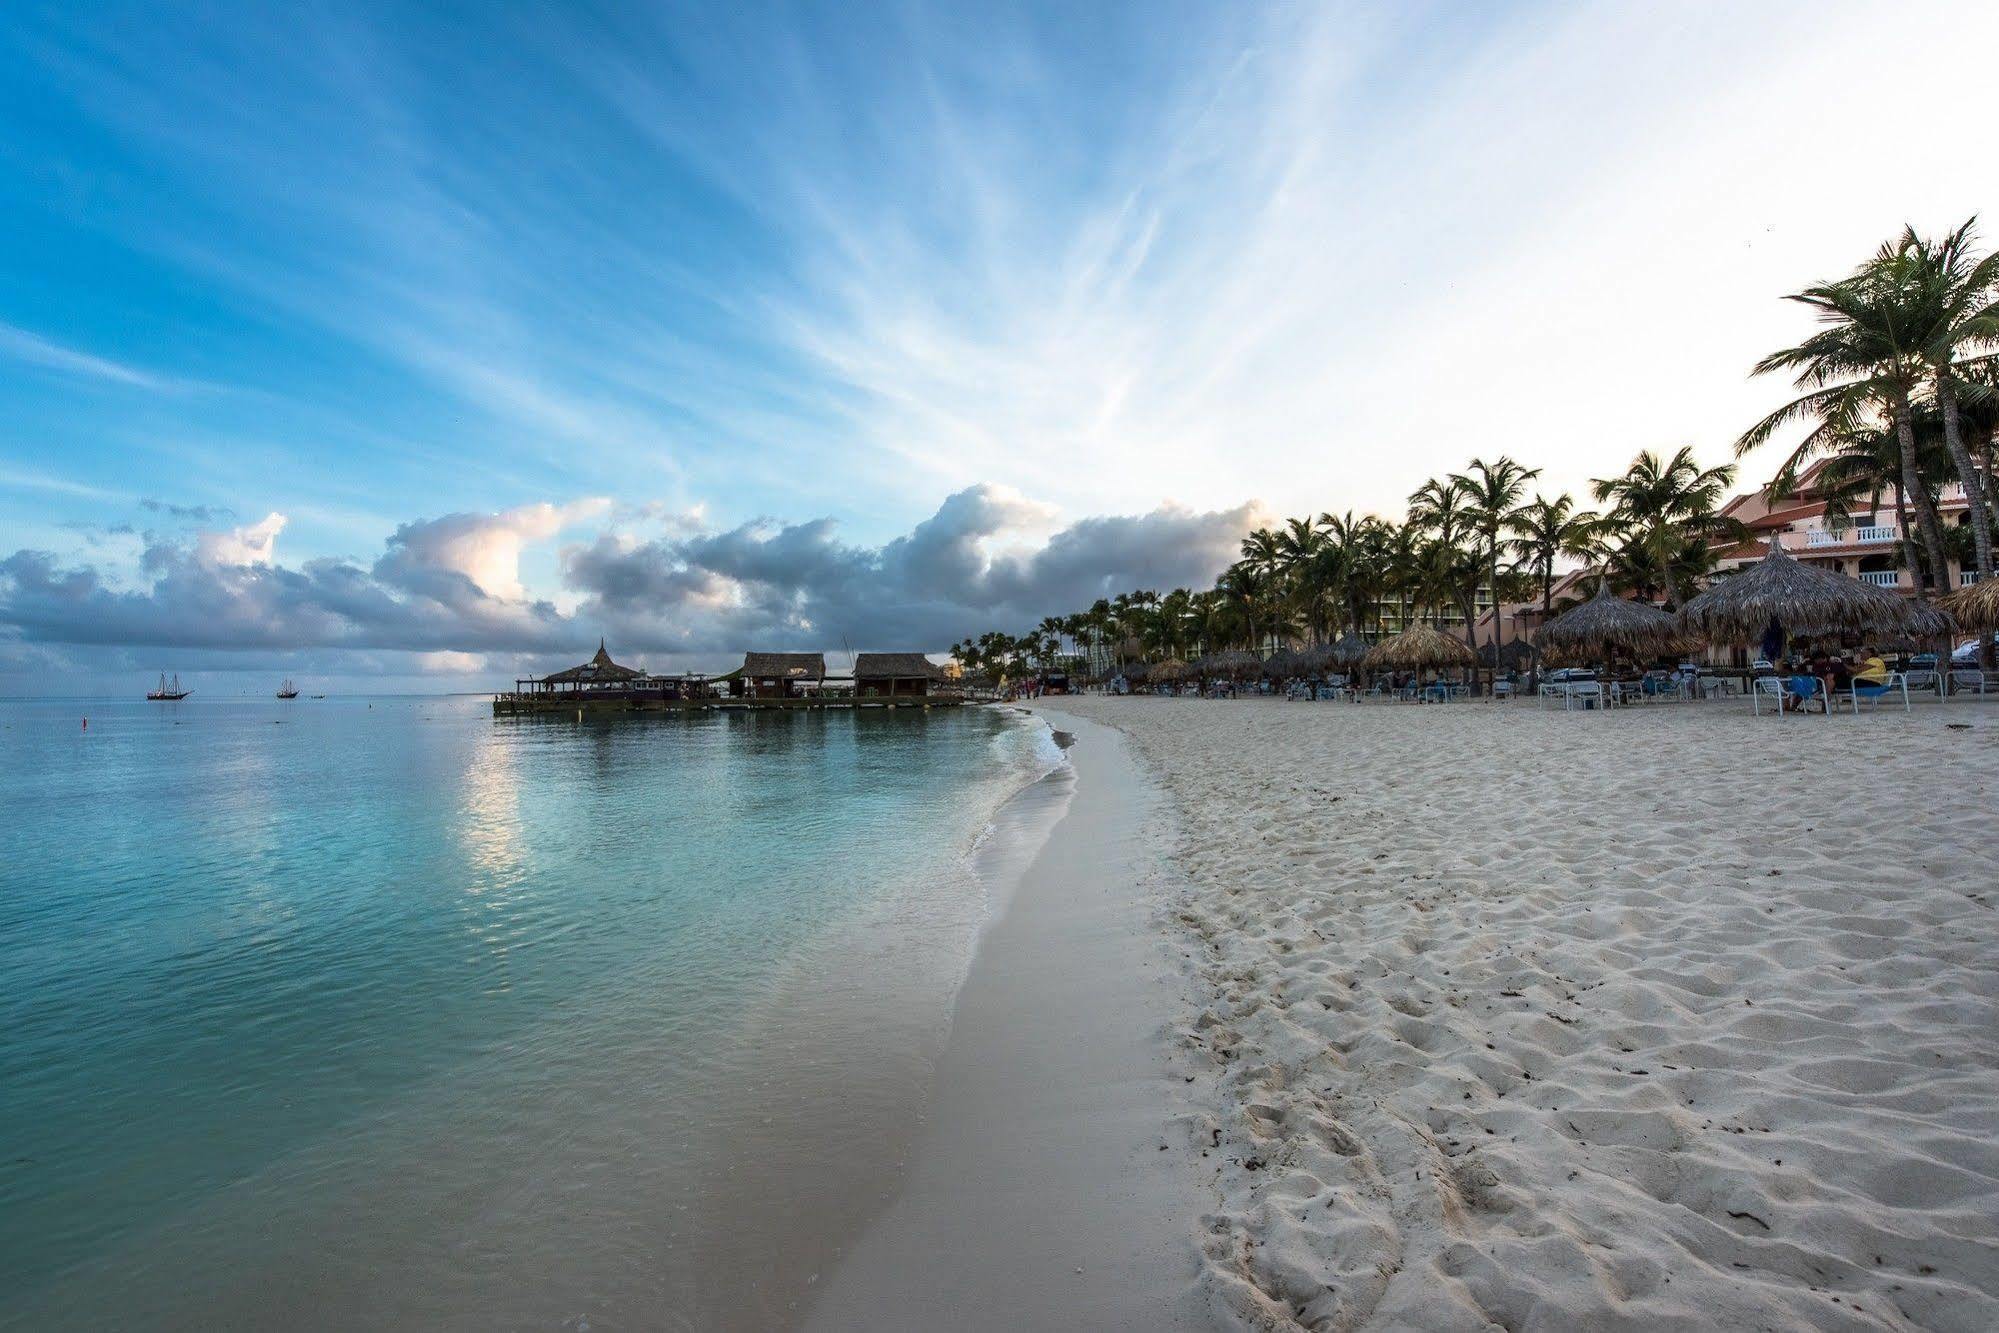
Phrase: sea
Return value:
(385, 1012)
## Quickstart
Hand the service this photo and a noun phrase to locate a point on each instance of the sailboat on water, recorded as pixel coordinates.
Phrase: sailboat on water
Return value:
(166, 691)
(288, 690)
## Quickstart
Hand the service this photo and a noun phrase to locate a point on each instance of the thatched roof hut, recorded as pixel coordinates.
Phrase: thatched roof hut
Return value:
(1805, 601)
(1975, 608)
(1418, 647)
(1349, 650)
(1608, 626)
(1284, 662)
(895, 666)
(599, 670)
(1234, 662)
(1166, 672)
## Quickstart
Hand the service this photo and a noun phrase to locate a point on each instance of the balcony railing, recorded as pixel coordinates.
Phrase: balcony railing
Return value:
(1882, 578)
(1826, 537)
(1966, 577)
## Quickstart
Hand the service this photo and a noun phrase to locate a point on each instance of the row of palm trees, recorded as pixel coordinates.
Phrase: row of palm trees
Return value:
(1898, 393)
(1465, 538)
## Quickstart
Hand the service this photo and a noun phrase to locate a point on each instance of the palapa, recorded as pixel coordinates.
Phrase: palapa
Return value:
(598, 670)
(1975, 608)
(1234, 662)
(1350, 649)
(1170, 670)
(1805, 601)
(1608, 626)
(1418, 647)
(1284, 662)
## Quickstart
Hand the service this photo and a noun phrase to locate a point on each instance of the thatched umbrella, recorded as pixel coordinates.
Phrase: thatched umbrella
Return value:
(1975, 608)
(1418, 647)
(1234, 662)
(1137, 672)
(1283, 663)
(1168, 671)
(1927, 624)
(1778, 596)
(1608, 626)
(1350, 649)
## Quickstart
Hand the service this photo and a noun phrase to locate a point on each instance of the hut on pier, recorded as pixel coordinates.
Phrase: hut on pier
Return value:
(894, 675)
(596, 677)
(779, 675)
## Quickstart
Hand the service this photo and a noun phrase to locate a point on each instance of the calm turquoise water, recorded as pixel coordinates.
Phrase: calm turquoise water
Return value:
(340, 1012)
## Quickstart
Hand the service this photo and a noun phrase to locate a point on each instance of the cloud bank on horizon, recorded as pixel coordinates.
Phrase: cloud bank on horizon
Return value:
(351, 266)
(445, 597)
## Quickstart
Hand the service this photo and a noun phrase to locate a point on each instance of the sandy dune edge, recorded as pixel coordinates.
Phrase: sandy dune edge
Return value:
(1663, 1019)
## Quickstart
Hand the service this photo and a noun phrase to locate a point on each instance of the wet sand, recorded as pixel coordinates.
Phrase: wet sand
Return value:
(1058, 1183)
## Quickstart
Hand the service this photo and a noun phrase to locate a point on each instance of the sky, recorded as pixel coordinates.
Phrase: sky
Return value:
(422, 345)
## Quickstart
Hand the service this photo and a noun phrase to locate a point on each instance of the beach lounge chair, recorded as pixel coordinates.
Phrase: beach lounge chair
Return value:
(1861, 692)
(1963, 681)
(1923, 674)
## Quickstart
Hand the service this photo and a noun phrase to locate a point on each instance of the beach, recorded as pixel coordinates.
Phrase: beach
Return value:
(1497, 1017)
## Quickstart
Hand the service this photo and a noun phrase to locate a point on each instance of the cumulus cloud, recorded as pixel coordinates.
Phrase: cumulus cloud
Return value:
(449, 588)
(949, 576)
(482, 549)
(251, 544)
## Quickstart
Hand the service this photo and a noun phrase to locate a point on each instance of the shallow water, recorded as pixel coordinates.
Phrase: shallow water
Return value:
(362, 1011)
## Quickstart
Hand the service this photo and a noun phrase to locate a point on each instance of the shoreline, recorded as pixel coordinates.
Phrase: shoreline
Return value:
(1052, 1184)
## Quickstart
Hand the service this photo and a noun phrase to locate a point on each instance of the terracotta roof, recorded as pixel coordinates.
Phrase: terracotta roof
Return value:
(1784, 517)
(785, 666)
(895, 666)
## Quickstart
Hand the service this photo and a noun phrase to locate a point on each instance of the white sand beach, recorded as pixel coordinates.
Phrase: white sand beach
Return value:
(1666, 1018)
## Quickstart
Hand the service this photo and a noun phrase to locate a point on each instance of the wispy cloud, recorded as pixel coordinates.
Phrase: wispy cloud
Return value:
(35, 350)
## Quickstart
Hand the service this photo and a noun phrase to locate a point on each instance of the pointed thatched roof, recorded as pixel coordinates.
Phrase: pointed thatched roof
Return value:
(1417, 647)
(1350, 649)
(1608, 626)
(1975, 608)
(598, 669)
(1805, 600)
(1170, 669)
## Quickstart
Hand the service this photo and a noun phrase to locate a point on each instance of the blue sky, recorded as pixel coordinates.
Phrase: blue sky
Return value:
(429, 340)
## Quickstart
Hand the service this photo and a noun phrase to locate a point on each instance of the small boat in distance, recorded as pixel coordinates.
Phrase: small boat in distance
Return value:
(288, 690)
(166, 691)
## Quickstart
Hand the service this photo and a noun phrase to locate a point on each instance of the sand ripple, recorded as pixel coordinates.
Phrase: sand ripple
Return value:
(1666, 1019)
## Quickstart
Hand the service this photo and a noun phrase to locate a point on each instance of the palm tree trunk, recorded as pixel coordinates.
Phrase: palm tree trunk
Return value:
(1974, 485)
(1919, 494)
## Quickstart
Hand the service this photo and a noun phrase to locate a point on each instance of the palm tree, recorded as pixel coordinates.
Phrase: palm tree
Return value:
(1662, 504)
(1547, 531)
(1865, 357)
(1441, 511)
(1952, 296)
(1493, 493)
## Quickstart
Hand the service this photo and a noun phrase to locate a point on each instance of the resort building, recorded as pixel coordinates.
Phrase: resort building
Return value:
(1867, 546)
(779, 675)
(894, 674)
